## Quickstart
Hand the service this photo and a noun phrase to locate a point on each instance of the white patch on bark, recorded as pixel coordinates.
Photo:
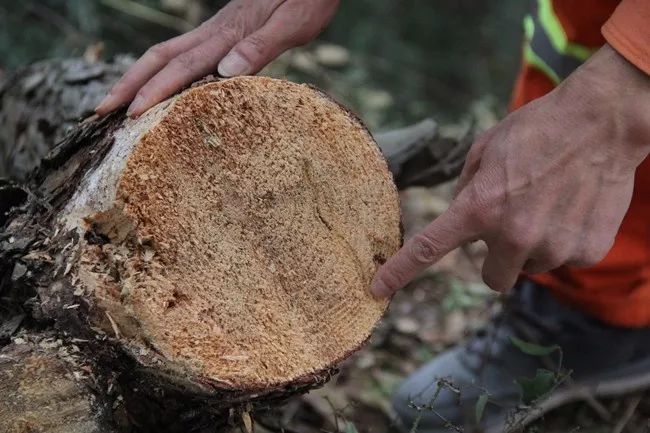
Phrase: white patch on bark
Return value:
(98, 188)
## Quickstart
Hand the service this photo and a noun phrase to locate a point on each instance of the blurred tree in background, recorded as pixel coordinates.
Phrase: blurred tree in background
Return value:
(403, 60)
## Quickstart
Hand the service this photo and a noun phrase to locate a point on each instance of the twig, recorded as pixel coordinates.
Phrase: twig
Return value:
(336, 418)
(149, 14)
(593, 403)
(440, 384)
(629, 411)
(116, 330)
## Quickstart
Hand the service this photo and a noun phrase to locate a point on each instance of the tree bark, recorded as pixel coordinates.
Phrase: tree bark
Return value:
(48, 386)
(43, 102)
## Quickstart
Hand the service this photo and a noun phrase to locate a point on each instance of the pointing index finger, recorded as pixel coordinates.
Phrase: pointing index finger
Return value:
(447, 232)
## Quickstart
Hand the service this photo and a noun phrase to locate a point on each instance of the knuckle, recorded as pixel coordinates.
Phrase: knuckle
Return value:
(142, 94)
(229, 34)
(483, 208)
(160, 51)
(584, 262)
(473, 155)
(555, 259)
(479, 143)
(515, 242)
(117, 87)
(146, 91)
(606, 244)
(255, 44)
(520, 234)
(480, 217)
(305, 34)
(424, 250)
(534, 266)
(552, 257)
(594, 252)
(303, 38)
(591, 257)
(183, 61)
(302, 23)
(539, 266)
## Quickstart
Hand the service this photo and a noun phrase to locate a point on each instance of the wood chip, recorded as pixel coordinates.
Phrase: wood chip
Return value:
(116, 330)
(40, 256)
(247, 422)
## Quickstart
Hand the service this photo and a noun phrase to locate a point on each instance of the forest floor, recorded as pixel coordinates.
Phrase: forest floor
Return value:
(438, 310)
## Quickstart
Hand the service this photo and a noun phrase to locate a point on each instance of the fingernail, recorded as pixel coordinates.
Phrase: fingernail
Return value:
(135, 107)
(233, 64)
(379, 289)
(105, 104)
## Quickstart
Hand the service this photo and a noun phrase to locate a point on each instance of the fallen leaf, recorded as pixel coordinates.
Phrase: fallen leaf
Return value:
(480, 407)
(539, 386)
(532, 348)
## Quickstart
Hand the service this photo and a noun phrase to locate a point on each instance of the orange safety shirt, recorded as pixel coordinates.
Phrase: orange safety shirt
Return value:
(559, 36)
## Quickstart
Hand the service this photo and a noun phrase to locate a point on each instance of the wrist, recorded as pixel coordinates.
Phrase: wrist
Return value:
(614, 95)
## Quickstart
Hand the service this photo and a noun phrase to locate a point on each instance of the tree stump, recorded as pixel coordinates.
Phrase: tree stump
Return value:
(213, 255)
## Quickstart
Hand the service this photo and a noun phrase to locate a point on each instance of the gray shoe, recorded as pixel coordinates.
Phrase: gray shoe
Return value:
(597, 360)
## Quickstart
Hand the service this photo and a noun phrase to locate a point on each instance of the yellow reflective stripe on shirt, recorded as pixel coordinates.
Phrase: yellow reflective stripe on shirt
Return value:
(555, 32)
(531, 57)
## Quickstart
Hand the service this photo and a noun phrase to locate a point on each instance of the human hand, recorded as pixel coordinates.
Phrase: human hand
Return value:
(547, 186)
(240, 39)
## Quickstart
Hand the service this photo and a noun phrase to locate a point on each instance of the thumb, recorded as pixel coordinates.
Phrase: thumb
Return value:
(447, 232)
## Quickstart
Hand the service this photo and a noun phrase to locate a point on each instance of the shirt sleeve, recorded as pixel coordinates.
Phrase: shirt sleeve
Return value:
(628, 31)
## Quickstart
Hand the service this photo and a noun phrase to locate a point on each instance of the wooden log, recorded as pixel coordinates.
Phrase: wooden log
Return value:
(47, 387)
(216, 253)
(80, 256)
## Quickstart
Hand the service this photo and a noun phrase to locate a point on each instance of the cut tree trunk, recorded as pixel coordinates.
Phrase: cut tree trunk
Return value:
(214, 254)
(46, 386)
